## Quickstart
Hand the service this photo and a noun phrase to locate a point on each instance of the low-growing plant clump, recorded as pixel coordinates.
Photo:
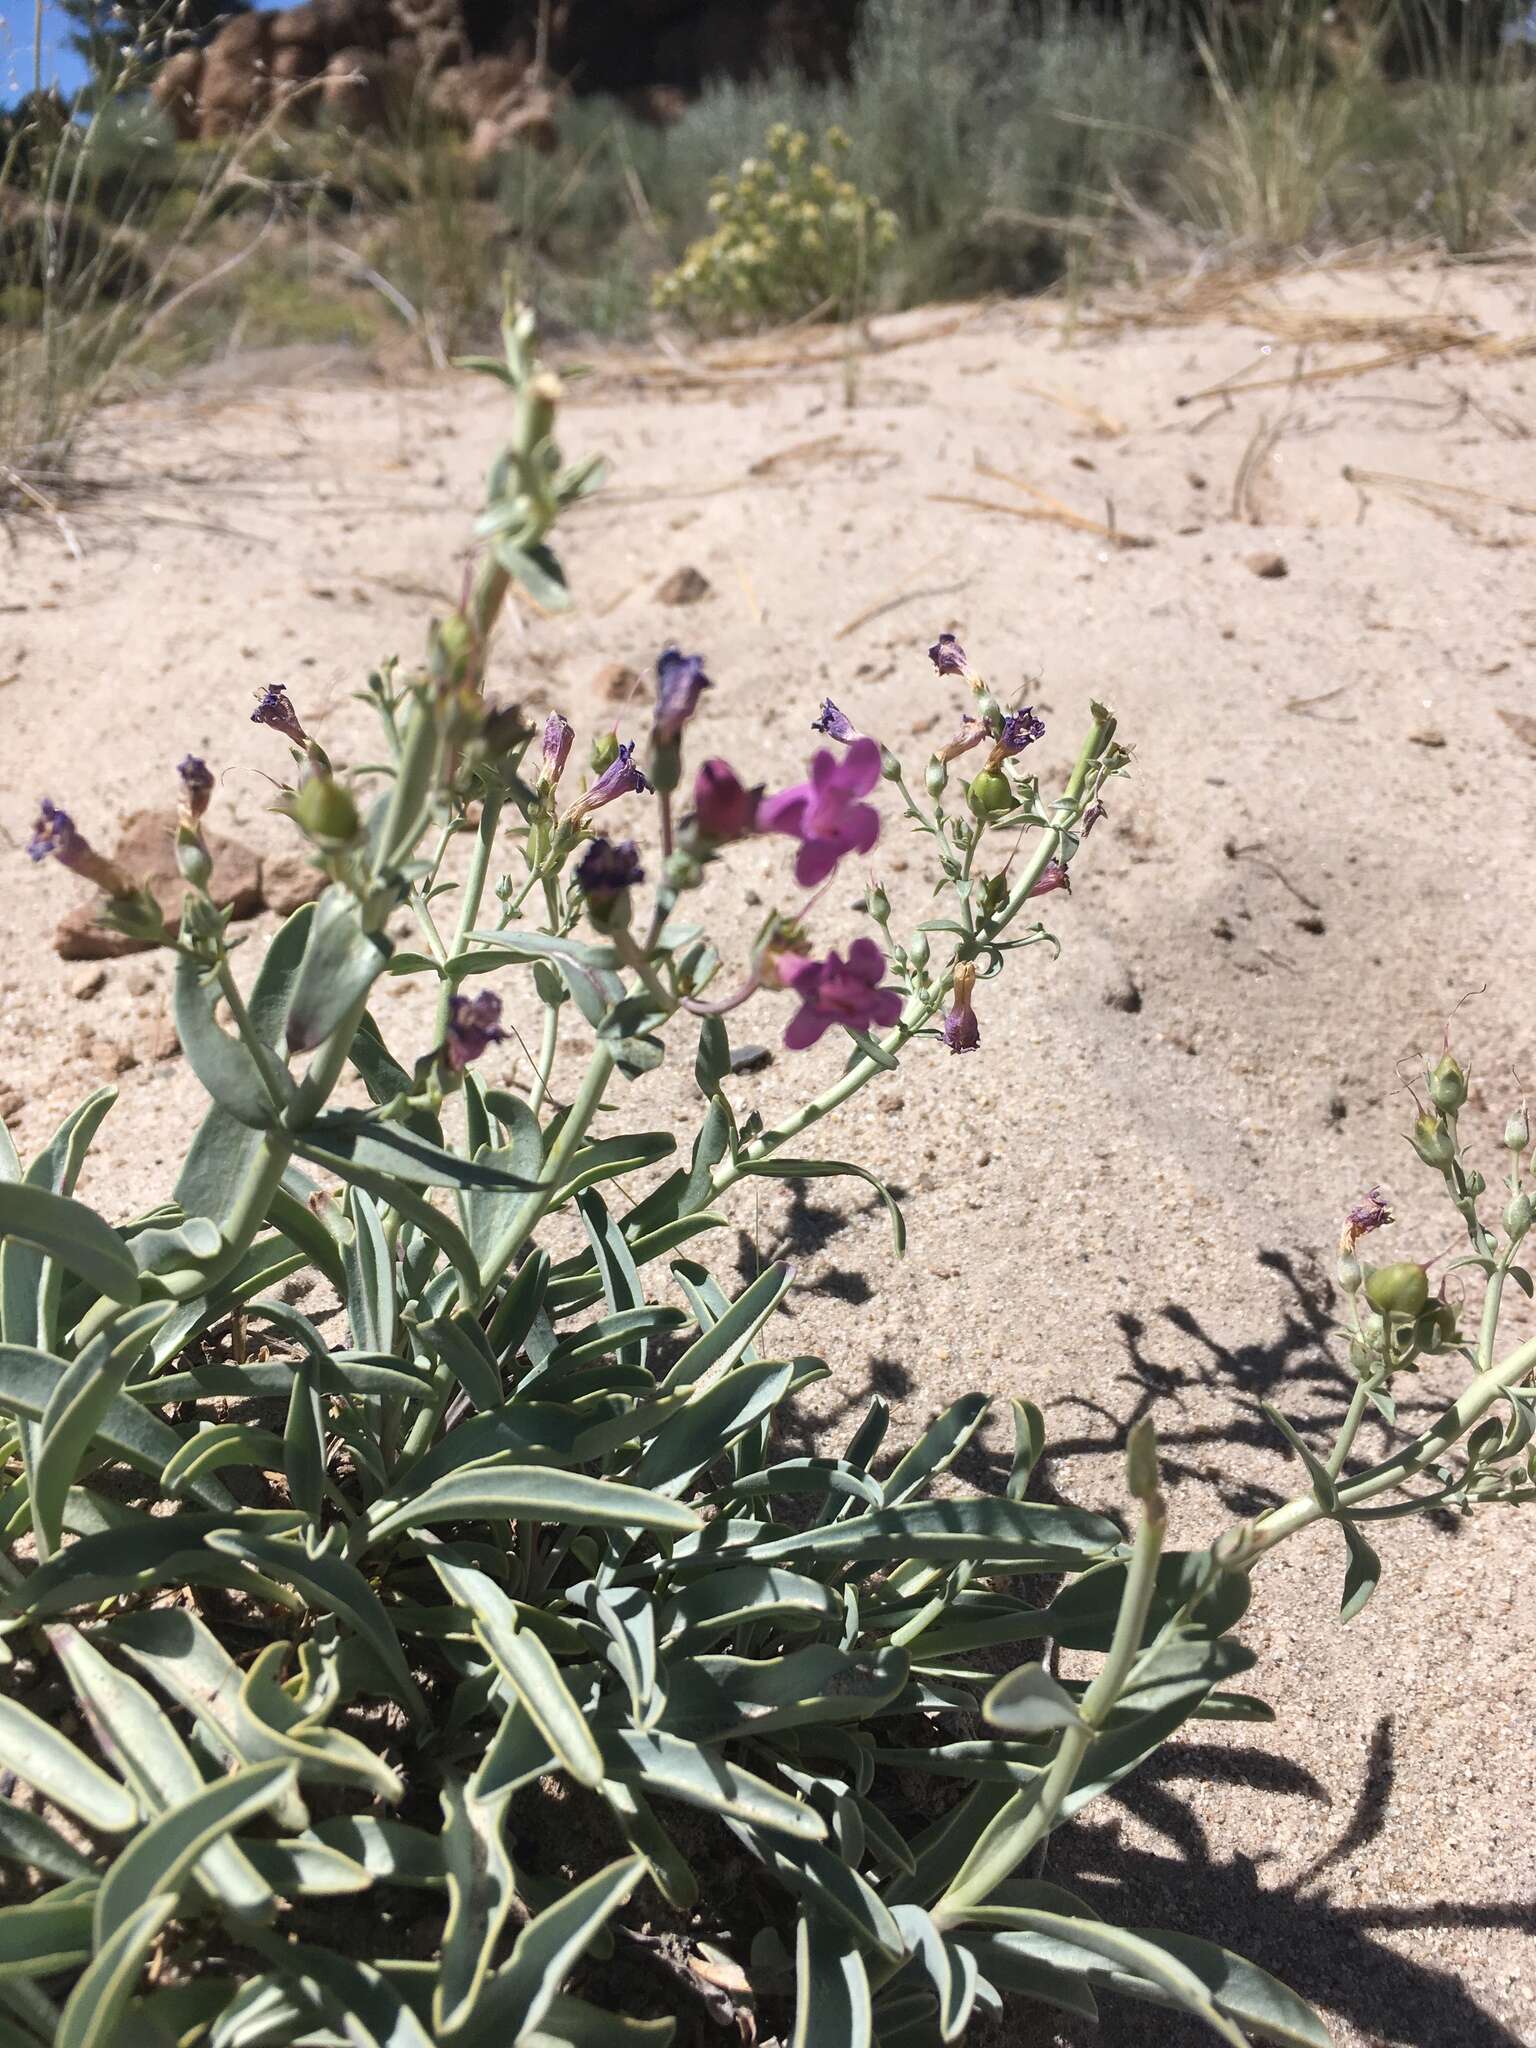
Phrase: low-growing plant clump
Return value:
(492, 1670)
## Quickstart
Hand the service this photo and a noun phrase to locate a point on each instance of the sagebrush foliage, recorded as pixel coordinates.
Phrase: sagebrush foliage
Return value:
(490, 1672)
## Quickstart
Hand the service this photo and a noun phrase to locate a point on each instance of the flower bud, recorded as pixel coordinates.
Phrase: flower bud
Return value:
(1350, 1274)
(325, 812)
(683, 870)
(988, 710)
(890, 766)
(937, 777)
(192, 857)
(1448, 1085)
(917, 952)
(1400, 1290)
(1517, 1132)
(989, 794)
(1517, 1217)
(1475, 1184)
(877, 903)
(1432, 1141)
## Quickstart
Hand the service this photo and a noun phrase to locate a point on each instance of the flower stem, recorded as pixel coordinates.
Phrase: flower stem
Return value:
(532, 1209)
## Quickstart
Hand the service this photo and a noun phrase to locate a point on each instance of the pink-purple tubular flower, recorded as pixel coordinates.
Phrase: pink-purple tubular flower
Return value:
(607, 867)
(962, 1033)
(1020, 729)
(1368, 1214)
(620, 778)
(1052, 876)
(474, 1025)
(824, 814)
(948, 656)
(558, 735)
(196, 785)
(54, 837)
(680, 682)
(724, 809)
(837, 991)
(275, 708)
(837, 725)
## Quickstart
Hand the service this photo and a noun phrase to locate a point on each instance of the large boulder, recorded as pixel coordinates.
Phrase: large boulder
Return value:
(235, 86)
(358, 88)
(177, 92)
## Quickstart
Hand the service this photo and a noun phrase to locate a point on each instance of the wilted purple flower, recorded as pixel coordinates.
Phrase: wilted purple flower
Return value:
(835, 724)
(723, 807)
(971, 734)
(680, 682)
(1091, 817)
(837, 991)
(607, 867)
(619, 778)
(1052, 876)
(274, 708)
(961, 1031)
(1368, 1214)
(1020, 729)
(824, 813)
(196, 785)
(474, 1023)
(948, 656)
(558, 735)
(55, 837)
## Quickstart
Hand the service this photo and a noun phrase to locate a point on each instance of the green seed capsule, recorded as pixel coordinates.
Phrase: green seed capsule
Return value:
(1517, 1132)
(989, 794)
(1517, 1217)
(325, 812)
(937, 778)
(1400, 1290)
(1350, 1274)
(917, 952)
(878, 904)
(1433, 1142)
(1448, 1085)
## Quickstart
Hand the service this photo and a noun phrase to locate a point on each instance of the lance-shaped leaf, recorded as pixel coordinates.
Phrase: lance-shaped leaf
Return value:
(302, 1866)
(1363, 1575)
(937, 1448)
(228, 1068)
(573, 2023)
(1242, 1991)
(1011, 1536)
(727, 1339)
(27, 1839)
(713, 1419)
(777, 1168)
(1029, 1702)
(402, 1154)
(949, 1969)
(169, 1548)
(50, 1763)
(161, 1856)
(528, 1668)
(341, 963)
(102, 1991)
(519, 1995)
(357, 1996)
(460, 1343)
(80, 1399)
(389, 1850)
(143, 1744)
(44, 1938)
(269, 1725)
(713, 1698)
(832, 2004)
(669, 1768)
(329, 1585)
(713, 1606)
(68, 1231)
(481, 1888)
(537, 1493)
(829, 1886)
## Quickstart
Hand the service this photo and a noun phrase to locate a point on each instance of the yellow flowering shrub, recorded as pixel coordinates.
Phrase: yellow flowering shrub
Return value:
(792, 235)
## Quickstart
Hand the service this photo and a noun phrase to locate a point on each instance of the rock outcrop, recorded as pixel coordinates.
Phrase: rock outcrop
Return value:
(496, 68)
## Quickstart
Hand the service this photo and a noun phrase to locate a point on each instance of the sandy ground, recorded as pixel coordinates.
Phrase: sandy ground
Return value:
(1126, 1202)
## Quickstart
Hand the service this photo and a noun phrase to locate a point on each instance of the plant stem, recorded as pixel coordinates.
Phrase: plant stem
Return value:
(1352, 1422)
(474, 891)
(549, 1033)
(1469, 1407)
(533, 1207)
(1032, 1813)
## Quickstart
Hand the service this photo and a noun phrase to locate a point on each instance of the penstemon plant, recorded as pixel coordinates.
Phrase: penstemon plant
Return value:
(493, 1676)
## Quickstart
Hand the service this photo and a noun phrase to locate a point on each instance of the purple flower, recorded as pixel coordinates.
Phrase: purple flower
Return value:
(1020, 730)
(961, 1031)
(619, 778)
(274, 708)
(1052, 876)
(474, 1023)
(723, 808)
(948, 656)
(196, 785)
(680, 682)
(558, 735)
(835, 724)
(1367, 1215)
(55, 837)
(607, 867)
(837, 991)
(1091, 817)
(824, 813)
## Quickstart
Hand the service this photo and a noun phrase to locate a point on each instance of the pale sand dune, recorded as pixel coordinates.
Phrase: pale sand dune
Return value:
(1124, 1201)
